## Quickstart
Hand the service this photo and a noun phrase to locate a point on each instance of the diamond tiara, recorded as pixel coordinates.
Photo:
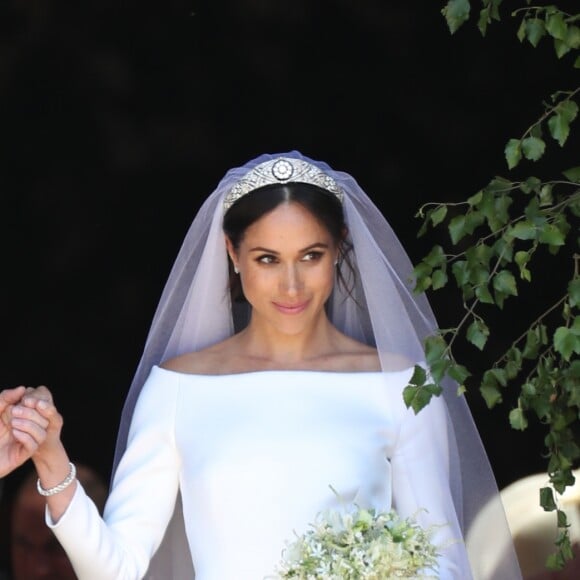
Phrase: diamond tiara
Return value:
(281, 170)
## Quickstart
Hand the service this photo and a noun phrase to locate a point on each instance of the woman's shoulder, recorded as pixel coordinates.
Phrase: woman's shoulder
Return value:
(358, 356)
(207, 361)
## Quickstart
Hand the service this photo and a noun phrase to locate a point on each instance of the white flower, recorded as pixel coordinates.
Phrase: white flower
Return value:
(360, 544)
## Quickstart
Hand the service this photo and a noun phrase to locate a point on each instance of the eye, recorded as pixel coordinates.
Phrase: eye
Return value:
(313, 256)
(266, 259)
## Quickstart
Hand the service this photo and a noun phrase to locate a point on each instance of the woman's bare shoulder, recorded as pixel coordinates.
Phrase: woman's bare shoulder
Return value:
(207, 361)
(363, 357)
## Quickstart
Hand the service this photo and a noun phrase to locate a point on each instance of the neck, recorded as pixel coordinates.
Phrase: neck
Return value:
(262, 341)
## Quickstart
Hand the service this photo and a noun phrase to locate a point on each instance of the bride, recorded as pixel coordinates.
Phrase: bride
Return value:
(271, 379)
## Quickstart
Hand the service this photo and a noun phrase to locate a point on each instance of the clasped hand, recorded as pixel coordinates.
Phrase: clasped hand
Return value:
(29, 422)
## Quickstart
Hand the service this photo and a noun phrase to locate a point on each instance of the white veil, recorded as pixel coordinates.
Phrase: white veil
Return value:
(195, 311)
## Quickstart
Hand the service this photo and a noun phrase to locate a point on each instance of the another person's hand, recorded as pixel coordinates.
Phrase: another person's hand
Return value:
(37, 405)
(22, 431)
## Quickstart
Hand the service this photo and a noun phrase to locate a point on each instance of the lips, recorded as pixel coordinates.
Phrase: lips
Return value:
(291, 308)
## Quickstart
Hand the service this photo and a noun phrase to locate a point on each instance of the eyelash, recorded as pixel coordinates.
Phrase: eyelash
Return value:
(267, 259)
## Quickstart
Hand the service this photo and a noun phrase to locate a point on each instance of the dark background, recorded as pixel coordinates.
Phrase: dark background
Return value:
(118, 118)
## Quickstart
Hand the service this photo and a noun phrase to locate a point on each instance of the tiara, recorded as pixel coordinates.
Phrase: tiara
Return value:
(281, 170)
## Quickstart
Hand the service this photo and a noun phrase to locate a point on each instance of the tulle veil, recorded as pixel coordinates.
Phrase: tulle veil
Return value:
(195, 311)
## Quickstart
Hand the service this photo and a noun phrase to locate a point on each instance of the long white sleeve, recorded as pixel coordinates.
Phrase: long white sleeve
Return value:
(119, 546)
(420, 471)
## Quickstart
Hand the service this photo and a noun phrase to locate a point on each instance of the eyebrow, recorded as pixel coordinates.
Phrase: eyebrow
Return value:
(306, 249)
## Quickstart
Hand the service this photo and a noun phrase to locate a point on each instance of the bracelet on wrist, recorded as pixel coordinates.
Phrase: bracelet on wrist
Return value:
(61, 486)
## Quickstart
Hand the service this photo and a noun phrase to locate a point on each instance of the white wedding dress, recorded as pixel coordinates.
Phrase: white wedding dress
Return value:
(255, 456)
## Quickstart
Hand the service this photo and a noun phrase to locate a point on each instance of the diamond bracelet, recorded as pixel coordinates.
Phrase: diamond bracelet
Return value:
(61, 486)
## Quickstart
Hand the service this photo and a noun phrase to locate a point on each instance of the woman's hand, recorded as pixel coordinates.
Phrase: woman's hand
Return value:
(37, 405)
(50, 458)
(22, 429)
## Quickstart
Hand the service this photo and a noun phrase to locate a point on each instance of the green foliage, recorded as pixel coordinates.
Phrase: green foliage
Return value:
(495, 237)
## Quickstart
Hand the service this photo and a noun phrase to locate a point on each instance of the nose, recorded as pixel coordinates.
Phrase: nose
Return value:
(291, 283)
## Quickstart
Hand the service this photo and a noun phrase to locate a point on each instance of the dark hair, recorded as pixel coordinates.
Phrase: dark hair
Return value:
(322, 204)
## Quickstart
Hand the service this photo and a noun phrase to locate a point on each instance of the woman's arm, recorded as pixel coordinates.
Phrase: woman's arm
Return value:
(120, 545)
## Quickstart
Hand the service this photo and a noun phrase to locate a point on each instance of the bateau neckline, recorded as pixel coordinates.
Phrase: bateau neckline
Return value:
(286, 371)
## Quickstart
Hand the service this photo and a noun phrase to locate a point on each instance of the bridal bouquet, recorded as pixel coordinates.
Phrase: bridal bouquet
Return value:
(357, 544)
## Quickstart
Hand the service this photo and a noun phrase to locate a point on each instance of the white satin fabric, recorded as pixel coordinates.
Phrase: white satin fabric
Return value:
(254, 456)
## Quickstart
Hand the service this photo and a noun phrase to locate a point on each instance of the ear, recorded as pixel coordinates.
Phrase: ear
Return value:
(231, 251)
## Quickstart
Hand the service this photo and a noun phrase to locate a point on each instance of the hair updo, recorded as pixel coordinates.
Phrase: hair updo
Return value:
(322, 204)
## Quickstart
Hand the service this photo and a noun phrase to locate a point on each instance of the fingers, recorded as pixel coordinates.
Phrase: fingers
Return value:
(22, 396)
(10, 397)
(33, 395)
(29, 434)
(30, 414)
(43, 414)
(21, 414)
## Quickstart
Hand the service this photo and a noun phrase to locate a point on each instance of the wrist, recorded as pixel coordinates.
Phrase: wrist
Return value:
(52, 467)
(68, 480)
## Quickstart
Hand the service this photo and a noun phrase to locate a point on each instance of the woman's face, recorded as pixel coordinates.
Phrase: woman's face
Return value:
(286, 264)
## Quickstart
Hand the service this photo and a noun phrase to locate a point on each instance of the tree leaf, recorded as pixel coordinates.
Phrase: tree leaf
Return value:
(521, 259)
(456, 12)
(530, 184)
(556, 26)
(436, 257)
(483, 294)
(532, 345)
(419, 376)
(460, 272)
(518, 419)
(513, 152)
(573, 37)
(533, 148)
(566, 342)
(439, 279)
(547, 499)
(491, 395)
(524, 230)
(574, 292)
(552, 235)
(457, 228)
(435, 347)
(484, 20)
(477, 334)
(438, 369)
(458, 373)
(521, 33)
(438, 215)
(535, 30)
(545, 197)
(559, 128)
(568, 109)
(505, 283)
(573, 174)
(475, 199)
(418, 397)
(561, 47)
